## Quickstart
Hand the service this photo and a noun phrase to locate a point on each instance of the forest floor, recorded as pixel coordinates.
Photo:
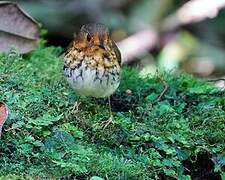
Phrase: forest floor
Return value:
(177, 134)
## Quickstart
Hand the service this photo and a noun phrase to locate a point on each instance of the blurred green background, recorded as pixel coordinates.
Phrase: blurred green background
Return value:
(196, 47)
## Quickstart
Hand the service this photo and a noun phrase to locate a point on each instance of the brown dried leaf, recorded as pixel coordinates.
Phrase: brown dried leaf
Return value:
(17, 29)
(3, 115)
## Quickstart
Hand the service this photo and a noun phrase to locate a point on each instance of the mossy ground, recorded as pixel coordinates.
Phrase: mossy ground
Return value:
(149, 139)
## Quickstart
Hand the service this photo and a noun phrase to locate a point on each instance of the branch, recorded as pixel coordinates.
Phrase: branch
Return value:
(142, 42)
(192, 12)
(137, 44)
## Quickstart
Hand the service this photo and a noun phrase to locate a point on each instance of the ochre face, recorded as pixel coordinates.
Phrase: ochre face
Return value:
(89, 43)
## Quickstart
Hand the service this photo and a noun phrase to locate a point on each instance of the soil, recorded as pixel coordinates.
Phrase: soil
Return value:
(202, 168)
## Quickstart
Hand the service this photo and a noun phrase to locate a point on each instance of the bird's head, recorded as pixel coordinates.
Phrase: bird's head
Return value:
(93, 35)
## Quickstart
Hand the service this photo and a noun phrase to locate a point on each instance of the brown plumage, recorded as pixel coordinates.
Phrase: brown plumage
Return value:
(92, 62)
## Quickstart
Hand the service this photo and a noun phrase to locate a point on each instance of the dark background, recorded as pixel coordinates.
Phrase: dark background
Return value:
(196, 47)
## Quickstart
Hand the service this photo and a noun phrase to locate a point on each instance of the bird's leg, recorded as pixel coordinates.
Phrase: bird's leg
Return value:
(110, 120)
(76, 105)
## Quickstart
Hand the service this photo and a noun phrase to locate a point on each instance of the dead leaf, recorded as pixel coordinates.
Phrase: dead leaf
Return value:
(3, 115)
(17, 29)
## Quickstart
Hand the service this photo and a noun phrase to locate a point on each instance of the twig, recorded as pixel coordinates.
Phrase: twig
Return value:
(11, 129)
(215, 80)
(191, 12)
(218, 84)
(163, 91)
(137, 44)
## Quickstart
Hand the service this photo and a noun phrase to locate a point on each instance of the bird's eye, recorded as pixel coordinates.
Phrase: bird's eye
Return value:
(88, 37)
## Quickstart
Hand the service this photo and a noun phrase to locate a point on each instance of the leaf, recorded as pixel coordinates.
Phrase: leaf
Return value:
(184, 177)
(219, 162)
(17, 29)
(222, 175)
(181, 154)
(152, 97)
(96, 178)
(70, 128)
(3, 115)
(164, 107)
(42, 121)
(59, 139)
(169, 172)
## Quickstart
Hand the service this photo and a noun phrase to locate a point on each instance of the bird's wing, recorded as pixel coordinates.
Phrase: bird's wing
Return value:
(117, 51)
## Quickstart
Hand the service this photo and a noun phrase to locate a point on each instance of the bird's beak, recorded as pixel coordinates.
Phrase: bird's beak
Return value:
(103, 45)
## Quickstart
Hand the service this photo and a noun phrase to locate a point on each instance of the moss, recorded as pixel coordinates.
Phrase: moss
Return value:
(150, 138)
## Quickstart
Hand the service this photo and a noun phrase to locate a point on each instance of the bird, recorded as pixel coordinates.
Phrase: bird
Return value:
(92, 63)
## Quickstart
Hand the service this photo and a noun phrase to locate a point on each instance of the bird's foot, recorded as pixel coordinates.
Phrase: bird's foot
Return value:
(106, 123)
(75, 107)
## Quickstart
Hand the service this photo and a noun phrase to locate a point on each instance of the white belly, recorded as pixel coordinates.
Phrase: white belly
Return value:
(90, 82)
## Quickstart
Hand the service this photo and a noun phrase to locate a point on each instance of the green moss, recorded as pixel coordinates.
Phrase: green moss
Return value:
(43, 137)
